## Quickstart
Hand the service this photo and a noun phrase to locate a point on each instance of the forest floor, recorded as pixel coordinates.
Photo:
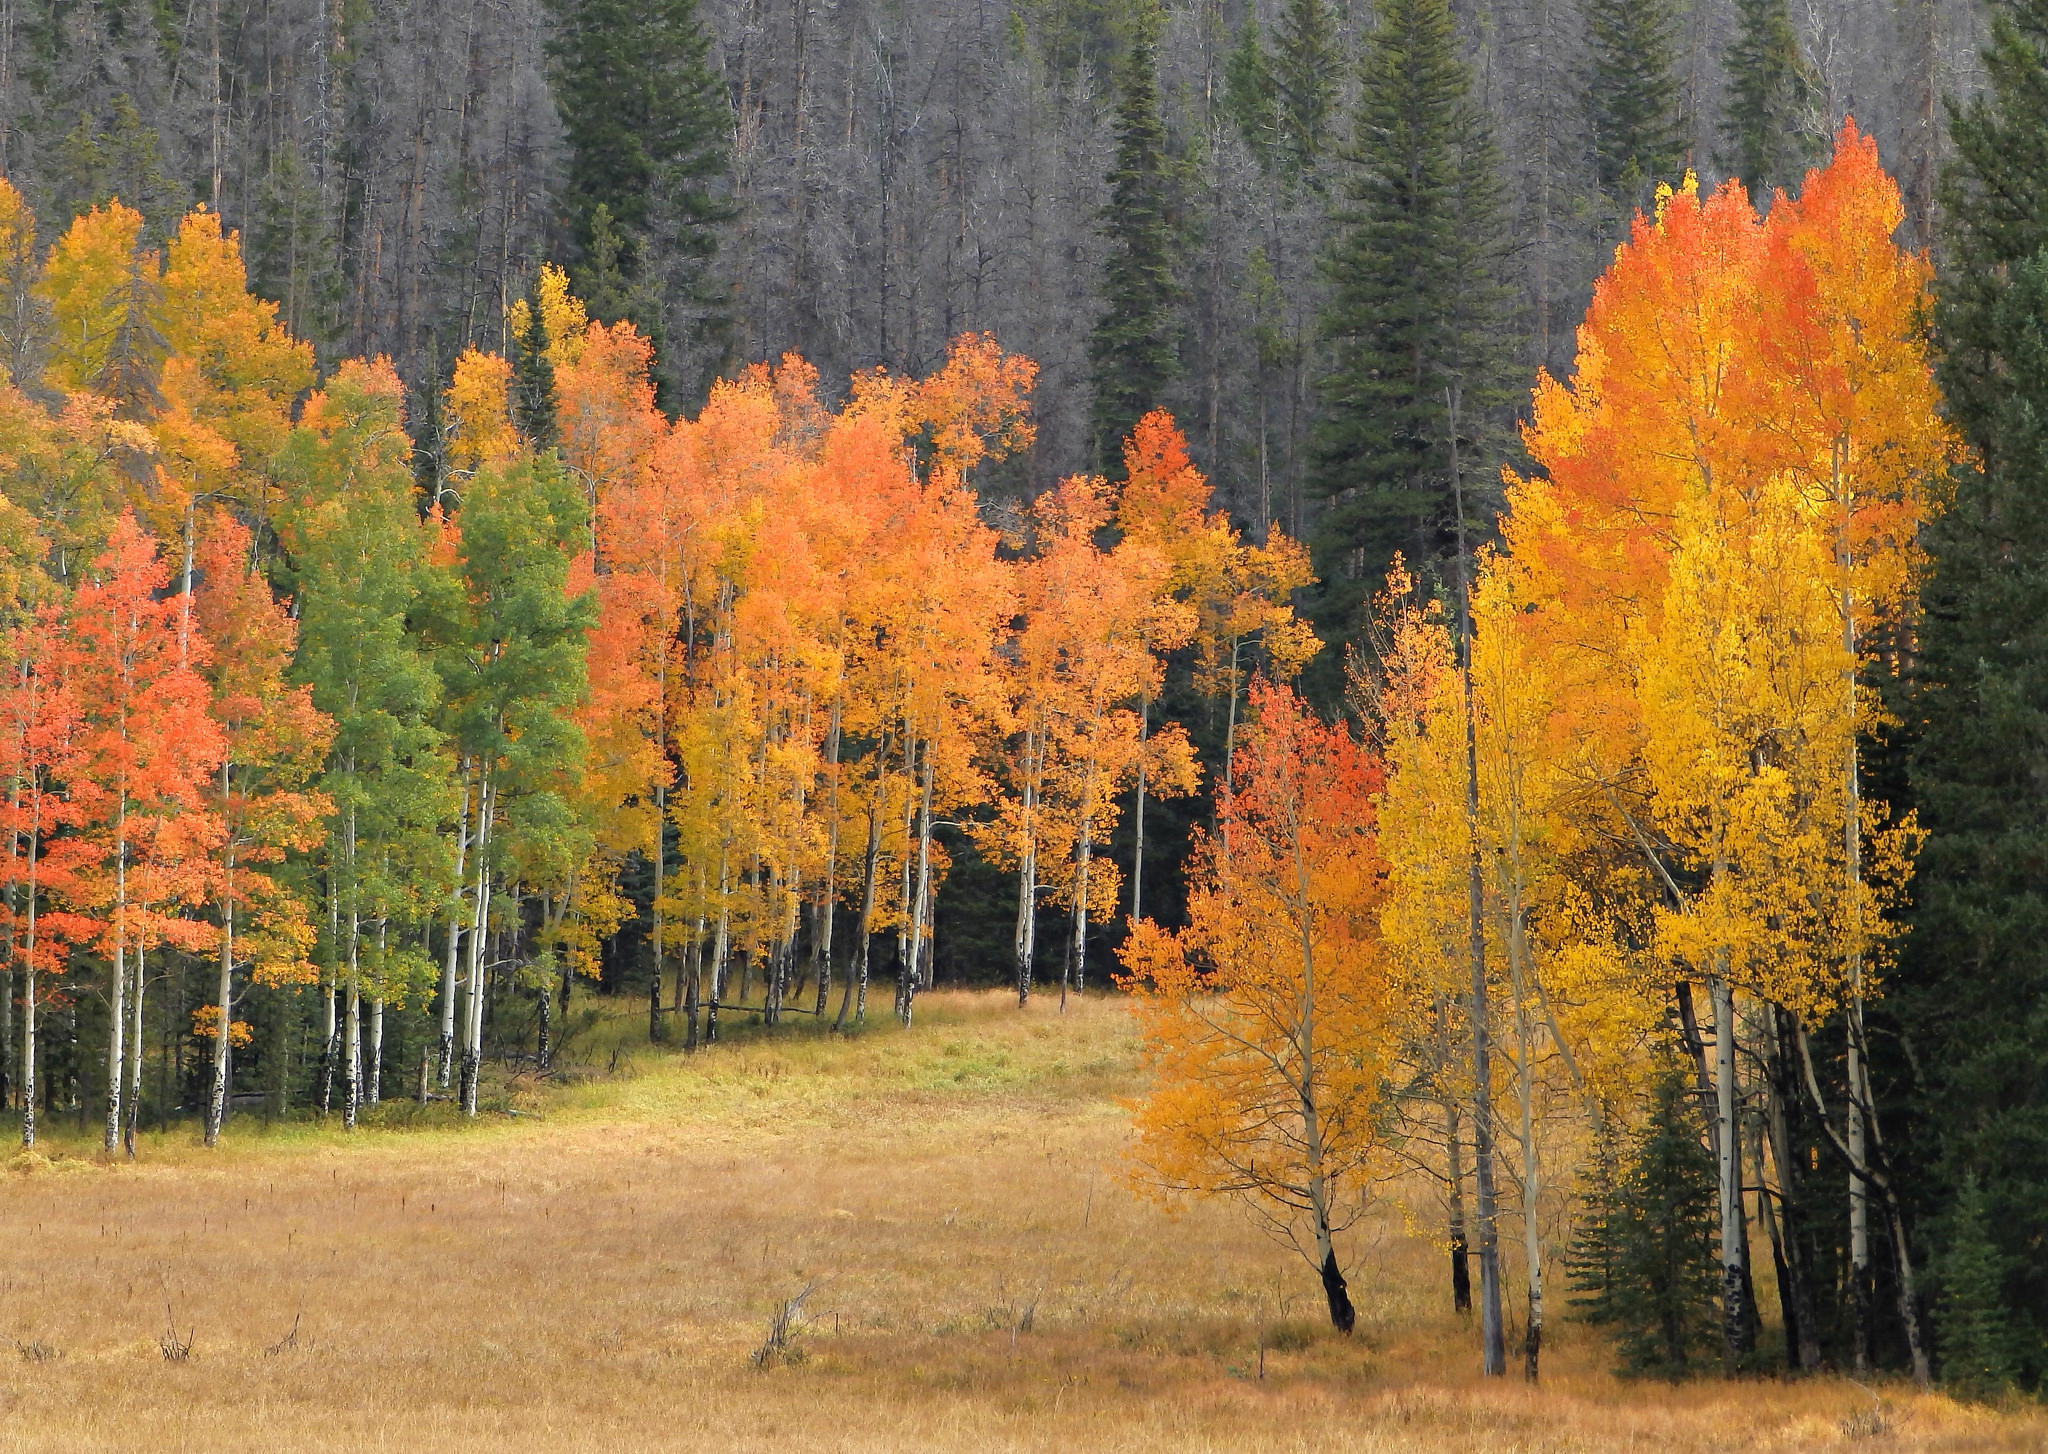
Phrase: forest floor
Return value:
(600, 1273)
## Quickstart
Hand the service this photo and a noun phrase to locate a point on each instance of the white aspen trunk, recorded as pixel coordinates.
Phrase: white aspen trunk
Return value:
(1079, 958)
(721, 947)
(1860, 1278)
(1492, 1333)
(1728, 1155)
(374, 1088)
(660, 876)
(1859, 1211)
(823, 949)
(1027, 871)
(454, 940)
(373, 1074)
(352, 1052)
(28, 1036)
(118, 987)
(473, 1028)
(1525, 1095)
(1138, 813)
(856, 992)
(1230, 724)
(133, 1110)
(28, 989)
(217, 1097)
(331, 1030)
(921, 904)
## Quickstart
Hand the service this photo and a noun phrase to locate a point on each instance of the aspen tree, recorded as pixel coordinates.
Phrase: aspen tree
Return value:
(1269, 1021)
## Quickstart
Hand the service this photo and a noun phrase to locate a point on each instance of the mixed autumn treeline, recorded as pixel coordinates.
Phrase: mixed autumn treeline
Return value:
(1619, 771)
(278, 707)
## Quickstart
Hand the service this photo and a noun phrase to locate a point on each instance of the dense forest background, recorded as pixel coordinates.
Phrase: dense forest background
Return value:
(860, 181)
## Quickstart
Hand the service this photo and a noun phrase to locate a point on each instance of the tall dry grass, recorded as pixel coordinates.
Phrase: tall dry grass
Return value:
(601, 1274)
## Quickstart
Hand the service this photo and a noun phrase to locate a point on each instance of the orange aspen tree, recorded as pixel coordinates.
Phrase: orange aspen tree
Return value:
(276, 742)
(1269, 1023)
(48, 859)
(151, 751)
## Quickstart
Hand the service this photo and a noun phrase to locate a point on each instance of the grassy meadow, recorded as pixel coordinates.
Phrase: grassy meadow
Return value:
(600, 1271)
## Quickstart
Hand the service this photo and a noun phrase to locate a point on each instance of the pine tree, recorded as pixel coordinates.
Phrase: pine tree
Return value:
(1771, 129)
(1644, 1259)
(1632, 99)
(533, 385)
(1249, 97)
(1976, 1353)
(645, 115)
(1972, 983)
(1415, 315)
(1134, 351)
(1593, 1257)
(1305, 72)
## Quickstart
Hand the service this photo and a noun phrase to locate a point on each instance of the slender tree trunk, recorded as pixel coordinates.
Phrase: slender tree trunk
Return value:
(134, 1071)
(1343, 1317)
(373, 1071)
(117, 989)
(856, 991)
(694, 975)
(28, 1013)
(822, 950)
(654, 1035)
(1027, 873)
(1138, 817)
(473, 1020)
(447, 1065)
(217, 1098)
(1492, 1333)
(1795, 1289)
(1461, 1254)
(920, 918)
(1734, 1227)
(1532, 1165)
(1079, 958)
(352, 1050)
(720, 951)
(330, 1044)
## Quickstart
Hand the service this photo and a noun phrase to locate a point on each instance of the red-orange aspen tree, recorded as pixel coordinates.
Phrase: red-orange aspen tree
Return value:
(1269, 1021)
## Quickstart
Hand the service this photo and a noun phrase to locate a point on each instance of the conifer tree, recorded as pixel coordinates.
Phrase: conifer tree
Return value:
(1415, 314)
(1305, 71)
(1134, 351)
(533, 385)
(1770, 128)
(645, 114)
(1976, 1339)
(1972, 982)
(1643, 1261)
(1632, 99)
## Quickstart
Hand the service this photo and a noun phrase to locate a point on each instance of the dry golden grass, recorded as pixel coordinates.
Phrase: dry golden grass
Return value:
(597, 1277)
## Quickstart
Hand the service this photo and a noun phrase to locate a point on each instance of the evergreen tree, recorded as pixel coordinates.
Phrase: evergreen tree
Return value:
(1971, 988)
(1304, 68)
(533, 385)
(1415, 318)
(1592, 1260)
(1771, 129)
(1249, 91)
(1644, 1260)
(1976, 1355)
(1135, 348)
(645, 115)
(1632, 101)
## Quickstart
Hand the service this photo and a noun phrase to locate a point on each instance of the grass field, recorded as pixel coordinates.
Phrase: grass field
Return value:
(600, 1272)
